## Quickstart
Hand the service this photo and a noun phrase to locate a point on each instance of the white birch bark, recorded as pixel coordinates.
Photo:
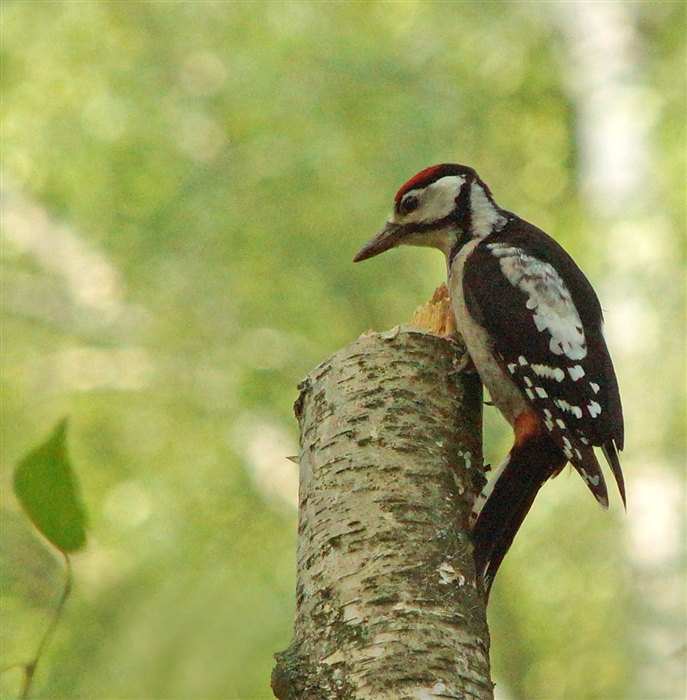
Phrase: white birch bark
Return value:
(387, 604)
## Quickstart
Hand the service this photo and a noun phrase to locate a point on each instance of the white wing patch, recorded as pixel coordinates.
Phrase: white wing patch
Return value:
(548, 298)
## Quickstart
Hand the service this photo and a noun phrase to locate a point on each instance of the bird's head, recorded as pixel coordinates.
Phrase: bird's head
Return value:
(440, 207)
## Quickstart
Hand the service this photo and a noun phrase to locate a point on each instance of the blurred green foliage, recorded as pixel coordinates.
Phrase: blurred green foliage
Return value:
(184, 186)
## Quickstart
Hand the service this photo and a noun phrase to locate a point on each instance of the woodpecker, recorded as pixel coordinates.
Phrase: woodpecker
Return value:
(532, 324)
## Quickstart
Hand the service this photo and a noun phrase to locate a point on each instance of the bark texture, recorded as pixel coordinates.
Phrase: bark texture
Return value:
(387, 604)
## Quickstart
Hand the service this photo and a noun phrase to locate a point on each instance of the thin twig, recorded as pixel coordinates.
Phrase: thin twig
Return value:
(30, 668)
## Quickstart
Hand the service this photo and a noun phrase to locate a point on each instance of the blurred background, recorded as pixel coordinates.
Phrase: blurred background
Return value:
(184, 186)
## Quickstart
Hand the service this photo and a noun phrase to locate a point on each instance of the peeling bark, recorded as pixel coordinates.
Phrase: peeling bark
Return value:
(387, 603)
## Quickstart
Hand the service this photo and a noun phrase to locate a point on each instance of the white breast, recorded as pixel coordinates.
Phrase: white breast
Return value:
(504, 392)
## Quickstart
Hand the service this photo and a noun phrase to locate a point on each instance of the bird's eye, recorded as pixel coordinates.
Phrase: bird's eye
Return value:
(408, 204)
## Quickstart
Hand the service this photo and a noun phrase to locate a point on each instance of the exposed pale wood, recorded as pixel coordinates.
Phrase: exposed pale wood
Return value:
(436, 316)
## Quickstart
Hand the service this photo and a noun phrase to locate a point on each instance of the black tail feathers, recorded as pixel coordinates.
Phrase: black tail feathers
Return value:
(611, 454)
(527, 468)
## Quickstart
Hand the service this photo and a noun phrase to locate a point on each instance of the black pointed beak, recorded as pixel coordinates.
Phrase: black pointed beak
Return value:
(387, 238)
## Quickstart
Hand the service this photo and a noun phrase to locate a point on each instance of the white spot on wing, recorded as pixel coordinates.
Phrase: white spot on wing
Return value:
(541, 393)
(548, 419)
(548, 297)
(551, 372)
(594, 409)
(565, 406)
(567, 447)
(595, 387)
(594, 480)
(576, 372)
(522, 360)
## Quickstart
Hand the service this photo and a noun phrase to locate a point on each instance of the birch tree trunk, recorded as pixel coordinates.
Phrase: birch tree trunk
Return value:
(387, 604)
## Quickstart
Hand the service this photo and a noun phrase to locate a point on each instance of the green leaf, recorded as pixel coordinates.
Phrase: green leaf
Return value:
(47, 488)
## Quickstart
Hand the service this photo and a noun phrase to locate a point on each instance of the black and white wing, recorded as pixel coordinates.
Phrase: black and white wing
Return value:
(545, 322)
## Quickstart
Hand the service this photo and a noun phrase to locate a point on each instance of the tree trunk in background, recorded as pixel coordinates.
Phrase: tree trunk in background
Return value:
(387, 605)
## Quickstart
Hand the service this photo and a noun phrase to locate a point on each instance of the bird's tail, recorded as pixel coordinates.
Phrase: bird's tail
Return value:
(507, 499)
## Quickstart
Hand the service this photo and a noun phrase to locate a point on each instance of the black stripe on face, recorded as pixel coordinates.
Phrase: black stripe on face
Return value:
(462, 213)
(461, 218)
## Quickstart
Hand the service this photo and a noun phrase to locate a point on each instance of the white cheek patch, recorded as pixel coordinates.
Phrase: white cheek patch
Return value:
(437, 200)
(548, 299)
